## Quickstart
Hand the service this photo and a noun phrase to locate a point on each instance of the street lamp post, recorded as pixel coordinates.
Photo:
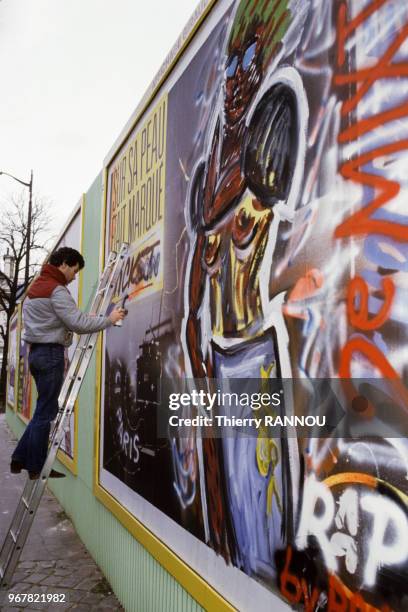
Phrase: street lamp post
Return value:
(30, 207)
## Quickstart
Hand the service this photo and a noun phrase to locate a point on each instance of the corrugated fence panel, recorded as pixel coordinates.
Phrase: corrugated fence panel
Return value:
(140, 583)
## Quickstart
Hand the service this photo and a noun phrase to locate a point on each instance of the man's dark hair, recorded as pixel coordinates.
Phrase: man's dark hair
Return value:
(66, 255)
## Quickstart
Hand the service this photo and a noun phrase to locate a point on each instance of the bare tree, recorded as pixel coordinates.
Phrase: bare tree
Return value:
(13, 240)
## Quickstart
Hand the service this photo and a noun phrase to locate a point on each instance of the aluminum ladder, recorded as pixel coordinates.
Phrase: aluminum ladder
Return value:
(30, 499)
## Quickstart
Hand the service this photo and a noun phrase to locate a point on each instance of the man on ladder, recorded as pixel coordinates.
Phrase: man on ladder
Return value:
(50, 318)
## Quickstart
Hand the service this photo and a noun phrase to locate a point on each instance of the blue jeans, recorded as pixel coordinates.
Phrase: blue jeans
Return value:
(47, 367)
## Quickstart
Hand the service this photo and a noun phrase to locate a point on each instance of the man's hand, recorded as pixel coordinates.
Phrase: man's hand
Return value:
(117, 315)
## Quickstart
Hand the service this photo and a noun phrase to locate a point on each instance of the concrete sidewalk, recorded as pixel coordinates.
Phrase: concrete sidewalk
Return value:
(54, 560)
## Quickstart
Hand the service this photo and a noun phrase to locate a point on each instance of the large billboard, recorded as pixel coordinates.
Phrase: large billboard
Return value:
(24, 385)
(262, 191)
(13, 359)
(71, 237)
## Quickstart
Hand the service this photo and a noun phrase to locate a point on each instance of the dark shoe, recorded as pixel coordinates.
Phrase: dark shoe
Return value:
(53, 474)
(16, 467)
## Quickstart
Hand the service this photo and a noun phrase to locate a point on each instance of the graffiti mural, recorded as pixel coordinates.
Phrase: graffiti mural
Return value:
(262, 194)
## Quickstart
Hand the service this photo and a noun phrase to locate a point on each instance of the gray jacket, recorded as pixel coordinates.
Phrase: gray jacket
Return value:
(53, 319)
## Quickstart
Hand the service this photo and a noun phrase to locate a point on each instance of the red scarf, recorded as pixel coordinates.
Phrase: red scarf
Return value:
(49, 278)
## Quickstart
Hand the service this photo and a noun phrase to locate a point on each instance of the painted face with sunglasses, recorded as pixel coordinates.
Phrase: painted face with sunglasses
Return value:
(243, 74)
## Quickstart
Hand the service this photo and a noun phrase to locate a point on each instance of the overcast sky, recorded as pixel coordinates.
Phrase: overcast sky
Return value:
(72, 72)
